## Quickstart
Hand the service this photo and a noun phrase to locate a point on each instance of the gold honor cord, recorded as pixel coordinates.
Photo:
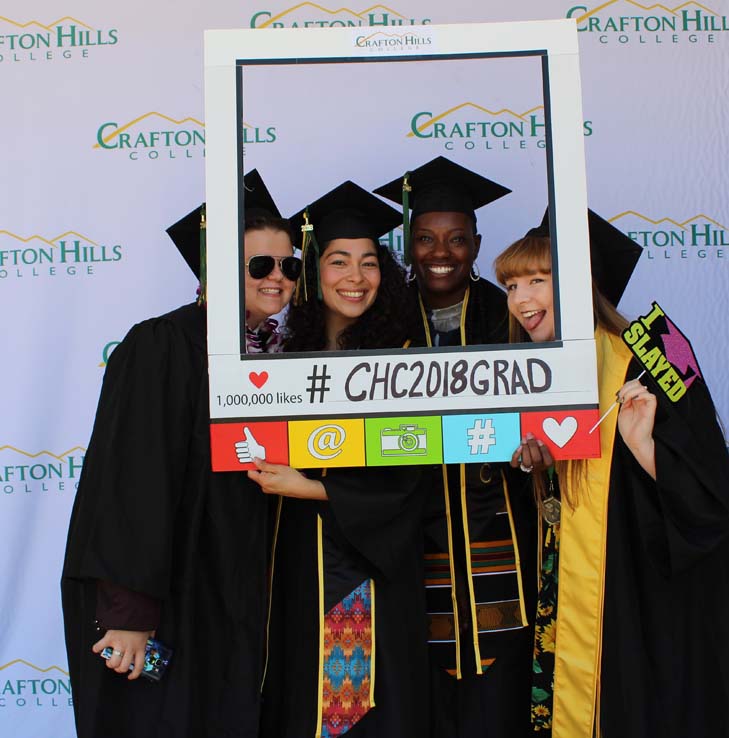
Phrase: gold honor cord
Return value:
(464, 516)
(517, 555)
(451, 563)
(320, 681)
(372, 650)
(583, 540)
(270, 585)
(469, 569)
(202, 298)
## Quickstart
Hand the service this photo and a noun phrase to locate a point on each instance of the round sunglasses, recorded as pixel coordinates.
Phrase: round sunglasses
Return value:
(262, 265)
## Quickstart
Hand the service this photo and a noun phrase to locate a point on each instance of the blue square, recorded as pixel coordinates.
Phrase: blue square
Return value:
(479, 438)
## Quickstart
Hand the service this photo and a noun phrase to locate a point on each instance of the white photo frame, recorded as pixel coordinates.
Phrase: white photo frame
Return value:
(335, 389)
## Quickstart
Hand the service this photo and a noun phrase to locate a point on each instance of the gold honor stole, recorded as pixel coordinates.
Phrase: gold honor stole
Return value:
(582, 555)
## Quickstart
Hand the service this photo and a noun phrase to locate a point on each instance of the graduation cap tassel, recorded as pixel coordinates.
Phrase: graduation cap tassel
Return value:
(317, 253)
(406, 189)
(202, 297)
(307, 231)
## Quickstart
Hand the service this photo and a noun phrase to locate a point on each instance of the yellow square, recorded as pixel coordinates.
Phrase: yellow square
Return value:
(323, 443)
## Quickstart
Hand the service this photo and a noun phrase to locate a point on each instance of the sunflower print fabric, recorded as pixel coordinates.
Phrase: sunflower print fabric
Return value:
(545, 631)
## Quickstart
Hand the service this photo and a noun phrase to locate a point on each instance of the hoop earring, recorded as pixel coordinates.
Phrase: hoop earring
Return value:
(411, 277)
(475, 273)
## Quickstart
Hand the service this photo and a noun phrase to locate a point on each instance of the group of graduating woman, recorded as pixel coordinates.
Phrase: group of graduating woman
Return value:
(397, 602)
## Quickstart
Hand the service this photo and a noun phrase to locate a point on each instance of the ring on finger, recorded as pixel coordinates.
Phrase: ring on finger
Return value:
(526, 469)
(117, 652)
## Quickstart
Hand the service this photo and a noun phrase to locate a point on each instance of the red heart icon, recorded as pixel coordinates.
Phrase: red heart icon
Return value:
(258, 379)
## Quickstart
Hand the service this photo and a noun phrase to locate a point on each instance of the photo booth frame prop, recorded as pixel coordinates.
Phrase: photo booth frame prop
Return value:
(408, 406)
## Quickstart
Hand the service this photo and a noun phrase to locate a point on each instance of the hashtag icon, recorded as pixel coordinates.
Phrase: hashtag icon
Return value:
(481, 437)
(318, 383)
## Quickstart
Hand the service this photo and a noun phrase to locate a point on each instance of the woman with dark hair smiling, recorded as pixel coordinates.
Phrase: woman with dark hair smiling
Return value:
(347, 634)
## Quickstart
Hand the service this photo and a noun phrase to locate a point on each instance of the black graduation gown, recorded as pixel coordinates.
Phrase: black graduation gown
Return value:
(495, 703)
(370, 530)
(151, 516)
(665, 666)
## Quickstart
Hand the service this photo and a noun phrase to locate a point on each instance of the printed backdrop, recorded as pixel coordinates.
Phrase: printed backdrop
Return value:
(104, 142)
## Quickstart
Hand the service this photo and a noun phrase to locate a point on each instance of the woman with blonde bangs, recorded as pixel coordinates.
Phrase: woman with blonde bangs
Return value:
(655, 625)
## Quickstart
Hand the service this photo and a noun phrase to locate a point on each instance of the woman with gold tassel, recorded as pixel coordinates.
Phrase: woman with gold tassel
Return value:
(346, 640)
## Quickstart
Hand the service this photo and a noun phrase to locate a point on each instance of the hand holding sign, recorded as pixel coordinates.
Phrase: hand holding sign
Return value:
(249, 448)
(635, 423)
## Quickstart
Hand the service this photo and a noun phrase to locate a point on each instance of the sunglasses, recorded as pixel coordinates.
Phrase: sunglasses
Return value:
(262, 265)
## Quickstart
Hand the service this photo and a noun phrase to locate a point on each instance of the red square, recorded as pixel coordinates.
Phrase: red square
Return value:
(232, 445)
(565, 432)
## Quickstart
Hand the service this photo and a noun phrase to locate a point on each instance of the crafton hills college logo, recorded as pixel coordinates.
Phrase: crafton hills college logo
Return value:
(153, 136)
(699, 237)
(43, 472)
(312, 15)
(65, 38)
(69, 254)
(469, 126)
(25, 685)
(630, 22)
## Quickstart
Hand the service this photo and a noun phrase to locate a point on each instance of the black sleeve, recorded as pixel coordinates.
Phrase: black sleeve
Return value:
(123, 520)
(692, 481)
(120, 608)
(378, 511)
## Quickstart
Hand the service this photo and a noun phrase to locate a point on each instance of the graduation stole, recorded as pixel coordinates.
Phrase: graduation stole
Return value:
(346, 683)
(500, 555)
(582, 556)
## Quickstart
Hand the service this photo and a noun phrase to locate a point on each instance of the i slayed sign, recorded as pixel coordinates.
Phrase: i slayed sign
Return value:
(664, 351)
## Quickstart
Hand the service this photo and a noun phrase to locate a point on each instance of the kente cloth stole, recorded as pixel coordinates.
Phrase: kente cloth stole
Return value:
(346, 657)
(583, 540)
(493, 597)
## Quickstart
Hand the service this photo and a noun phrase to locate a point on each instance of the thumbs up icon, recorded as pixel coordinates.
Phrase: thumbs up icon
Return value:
(249, 448)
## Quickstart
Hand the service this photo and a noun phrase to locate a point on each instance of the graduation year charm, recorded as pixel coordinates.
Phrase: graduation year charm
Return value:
(551, 507)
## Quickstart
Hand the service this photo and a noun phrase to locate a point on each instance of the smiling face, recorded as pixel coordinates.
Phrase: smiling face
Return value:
(531, 301)
(271, 294)
(349, 271)
(443, 250)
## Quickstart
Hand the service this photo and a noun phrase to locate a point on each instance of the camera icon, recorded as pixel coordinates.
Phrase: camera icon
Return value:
(406, 440)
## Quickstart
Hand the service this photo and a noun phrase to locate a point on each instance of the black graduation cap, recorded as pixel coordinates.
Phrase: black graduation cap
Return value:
(613, 255)
(441, 186)
(186, 233)
(347, 211)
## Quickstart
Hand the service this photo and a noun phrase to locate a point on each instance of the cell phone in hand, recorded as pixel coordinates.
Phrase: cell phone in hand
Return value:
(157, 658)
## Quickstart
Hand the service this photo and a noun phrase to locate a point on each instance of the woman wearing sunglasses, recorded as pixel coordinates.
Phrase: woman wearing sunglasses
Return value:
(158, 545)
(347, 631)
(271, 273)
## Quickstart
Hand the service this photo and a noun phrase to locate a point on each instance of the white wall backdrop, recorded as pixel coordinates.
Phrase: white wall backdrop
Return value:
(103, 138)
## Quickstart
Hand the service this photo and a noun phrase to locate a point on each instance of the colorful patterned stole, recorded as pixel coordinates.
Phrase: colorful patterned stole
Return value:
(346, 656)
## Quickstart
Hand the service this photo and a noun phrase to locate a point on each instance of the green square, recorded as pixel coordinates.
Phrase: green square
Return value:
(401, 441)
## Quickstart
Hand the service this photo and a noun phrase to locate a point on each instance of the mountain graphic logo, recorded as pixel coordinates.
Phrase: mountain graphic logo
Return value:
(700, 231)
(313, 15)
(626, 16)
